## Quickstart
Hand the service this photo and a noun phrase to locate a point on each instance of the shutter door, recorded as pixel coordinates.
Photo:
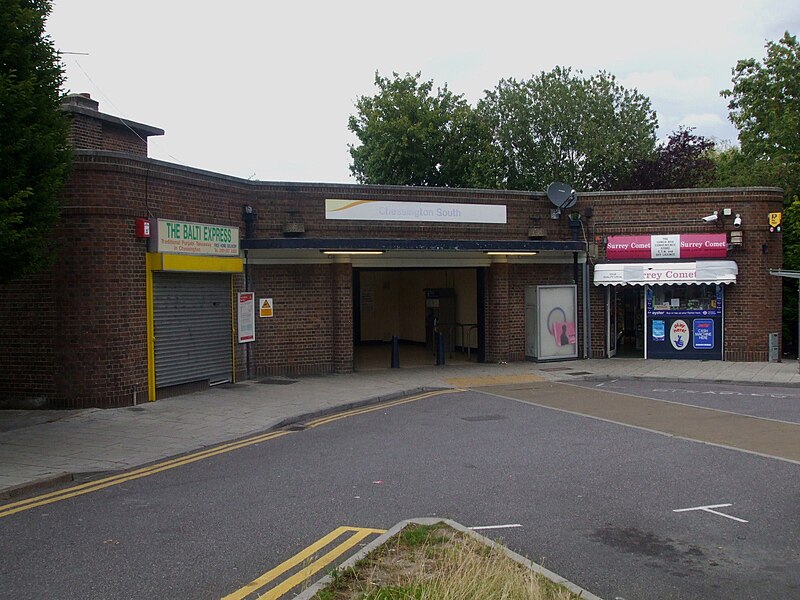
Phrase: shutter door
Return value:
(192, 320)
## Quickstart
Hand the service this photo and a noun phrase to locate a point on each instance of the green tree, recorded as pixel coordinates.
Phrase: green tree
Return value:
(590, 132)
(791, 235)
(410, 135)
(734, 169)
(791, 260)
(685, 161)
(34, 155)
(764, 104)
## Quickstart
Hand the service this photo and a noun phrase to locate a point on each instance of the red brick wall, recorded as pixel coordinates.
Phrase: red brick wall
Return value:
(298, 339)
(752, 306)
(522, 276)
(341, 303)
(78, 331)
(498, 339)
(597, 312)
(27, 331)
(87, 133)
(119, 138)
(100, 311)
(278, 203)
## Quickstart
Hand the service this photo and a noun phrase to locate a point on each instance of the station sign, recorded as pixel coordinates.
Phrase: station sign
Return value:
(420, 212)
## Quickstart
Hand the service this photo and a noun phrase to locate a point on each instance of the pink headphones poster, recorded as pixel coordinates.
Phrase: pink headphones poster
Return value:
(558, 336)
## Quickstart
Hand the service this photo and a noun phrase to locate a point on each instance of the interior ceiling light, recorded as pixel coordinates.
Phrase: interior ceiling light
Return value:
(500, 253)
(350, 252)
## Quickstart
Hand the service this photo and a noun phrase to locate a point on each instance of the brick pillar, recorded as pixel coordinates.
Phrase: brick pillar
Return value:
(342, 302)
(497, 312)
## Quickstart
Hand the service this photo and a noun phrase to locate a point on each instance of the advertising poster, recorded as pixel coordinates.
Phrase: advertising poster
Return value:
(703, 334)
(557, 311)
(679, 334)
(246, 314)
(658, 331)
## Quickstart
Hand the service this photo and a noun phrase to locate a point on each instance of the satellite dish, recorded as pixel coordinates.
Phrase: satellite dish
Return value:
(562, 195)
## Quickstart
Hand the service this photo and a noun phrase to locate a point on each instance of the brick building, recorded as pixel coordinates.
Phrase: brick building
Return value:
(338, 269)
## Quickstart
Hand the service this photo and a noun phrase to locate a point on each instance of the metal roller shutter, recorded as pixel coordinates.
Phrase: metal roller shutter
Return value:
(192, 320)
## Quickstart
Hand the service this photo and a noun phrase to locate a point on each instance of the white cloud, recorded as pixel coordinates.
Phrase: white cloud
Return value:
(244, 87)
(702, 120)
(667, 83)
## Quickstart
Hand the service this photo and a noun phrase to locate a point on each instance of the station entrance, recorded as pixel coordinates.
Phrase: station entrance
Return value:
(414, 305)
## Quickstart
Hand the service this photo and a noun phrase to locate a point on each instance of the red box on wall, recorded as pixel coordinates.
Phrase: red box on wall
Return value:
(142, 228)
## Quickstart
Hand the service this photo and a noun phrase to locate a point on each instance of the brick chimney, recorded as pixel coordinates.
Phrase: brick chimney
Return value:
(93, 130)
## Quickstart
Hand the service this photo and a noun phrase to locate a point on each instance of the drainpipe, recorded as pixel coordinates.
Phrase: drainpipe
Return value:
(249, 216)
(575, 225)
(246, 289)
(587, 322)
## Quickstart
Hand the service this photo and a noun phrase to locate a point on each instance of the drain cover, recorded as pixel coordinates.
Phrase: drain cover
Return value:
(296, 427)
(484, 418)
(581, 373)
(556, 369)
(278, 381)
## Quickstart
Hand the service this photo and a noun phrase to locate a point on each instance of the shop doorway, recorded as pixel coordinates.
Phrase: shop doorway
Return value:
(413, 305)
(612, 330)
(625, 309)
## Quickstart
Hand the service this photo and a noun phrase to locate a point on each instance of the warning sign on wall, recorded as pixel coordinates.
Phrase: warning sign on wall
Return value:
(265, 307)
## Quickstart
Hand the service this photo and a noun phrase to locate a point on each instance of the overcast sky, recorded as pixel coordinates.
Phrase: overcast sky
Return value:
(263, 90)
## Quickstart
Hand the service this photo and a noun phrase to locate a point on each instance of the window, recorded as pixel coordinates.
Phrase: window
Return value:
(686, 298)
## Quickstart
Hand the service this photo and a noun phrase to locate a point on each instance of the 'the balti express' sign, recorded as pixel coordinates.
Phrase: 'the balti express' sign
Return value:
(648, 247)
(181, 237)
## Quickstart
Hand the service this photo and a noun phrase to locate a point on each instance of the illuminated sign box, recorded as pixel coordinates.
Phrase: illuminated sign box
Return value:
(649, 247)
(423, 212)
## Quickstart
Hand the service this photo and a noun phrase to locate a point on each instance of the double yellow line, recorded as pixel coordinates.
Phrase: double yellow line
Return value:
(360, 411)
(358, 534)
(99, 484)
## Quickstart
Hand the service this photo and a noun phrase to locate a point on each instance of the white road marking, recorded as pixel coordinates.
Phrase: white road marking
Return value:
(709, 509)
(509, 526)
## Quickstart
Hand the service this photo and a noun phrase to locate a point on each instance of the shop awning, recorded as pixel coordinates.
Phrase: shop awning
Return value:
(701, 271)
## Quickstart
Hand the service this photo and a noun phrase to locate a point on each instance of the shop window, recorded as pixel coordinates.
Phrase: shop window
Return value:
(687, 298)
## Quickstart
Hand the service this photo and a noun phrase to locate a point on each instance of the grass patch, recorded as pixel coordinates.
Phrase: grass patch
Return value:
(436, 562)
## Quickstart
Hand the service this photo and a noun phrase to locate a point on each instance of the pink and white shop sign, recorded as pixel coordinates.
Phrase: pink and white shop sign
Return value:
(684, 245)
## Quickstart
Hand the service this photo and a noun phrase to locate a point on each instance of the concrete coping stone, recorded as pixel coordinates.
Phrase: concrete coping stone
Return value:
(309, 592)
(24, 489)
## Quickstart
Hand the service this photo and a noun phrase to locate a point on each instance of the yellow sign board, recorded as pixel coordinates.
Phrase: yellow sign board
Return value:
(265, 307)
(775, 219)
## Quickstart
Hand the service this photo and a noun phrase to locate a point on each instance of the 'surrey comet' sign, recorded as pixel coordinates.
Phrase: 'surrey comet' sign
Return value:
(685, 245)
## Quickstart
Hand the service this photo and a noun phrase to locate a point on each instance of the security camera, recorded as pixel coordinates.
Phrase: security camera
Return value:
(737, 222)
(711, 218)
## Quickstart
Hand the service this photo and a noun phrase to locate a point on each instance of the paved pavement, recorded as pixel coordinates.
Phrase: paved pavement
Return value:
(42, 448)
